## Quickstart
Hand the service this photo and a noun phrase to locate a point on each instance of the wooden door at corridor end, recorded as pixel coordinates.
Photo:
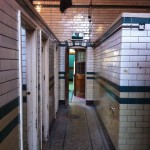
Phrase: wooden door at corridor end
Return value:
(79, 77)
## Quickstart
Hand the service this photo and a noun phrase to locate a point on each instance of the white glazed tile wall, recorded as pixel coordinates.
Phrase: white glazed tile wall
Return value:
(127, 66)
(9, 70)
(134, 122)
(89, 68)
(62, 69)
(107, 64)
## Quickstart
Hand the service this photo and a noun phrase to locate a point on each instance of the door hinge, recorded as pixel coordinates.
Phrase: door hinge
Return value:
(44, 77)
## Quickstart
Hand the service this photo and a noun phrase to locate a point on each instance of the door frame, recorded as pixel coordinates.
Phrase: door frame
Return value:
(31, 53)
(67, 76)
(32, 93)
(44, 80)
(56, 85)
(67, 71)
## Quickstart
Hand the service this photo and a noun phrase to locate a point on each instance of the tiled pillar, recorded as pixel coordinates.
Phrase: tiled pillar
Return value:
(122, 81)
(62, 74)
(89, 74)
(135, 82)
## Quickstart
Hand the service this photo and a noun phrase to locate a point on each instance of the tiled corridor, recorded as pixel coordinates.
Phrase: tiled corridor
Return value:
(103, 46)
(77, 128)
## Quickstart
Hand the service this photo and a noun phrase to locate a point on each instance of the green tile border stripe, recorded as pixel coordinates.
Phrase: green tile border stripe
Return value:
(90, 73)
(90, 78)
(24, 99)
(24, 87)
(136, 20)
(126, 88)
(6, 109)
(61, 77)
(6, 131)
(62, 72)
(126, 100)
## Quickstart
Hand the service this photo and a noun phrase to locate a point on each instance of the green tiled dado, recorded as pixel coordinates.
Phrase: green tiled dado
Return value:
(126, 88)
(6, 131)
(4, 110)
(125, 100)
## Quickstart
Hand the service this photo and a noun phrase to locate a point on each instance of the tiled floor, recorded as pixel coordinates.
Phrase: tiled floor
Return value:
(77, 128)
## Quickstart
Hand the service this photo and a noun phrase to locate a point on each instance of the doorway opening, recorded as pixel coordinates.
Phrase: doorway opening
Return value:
(71, 73)
(77, 69)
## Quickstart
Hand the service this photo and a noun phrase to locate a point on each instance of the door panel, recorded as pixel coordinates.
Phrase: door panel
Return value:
(80, 85)
(80, 74)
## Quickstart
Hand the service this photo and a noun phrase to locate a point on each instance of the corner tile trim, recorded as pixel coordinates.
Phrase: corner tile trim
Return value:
(117, 26)
(4, 110)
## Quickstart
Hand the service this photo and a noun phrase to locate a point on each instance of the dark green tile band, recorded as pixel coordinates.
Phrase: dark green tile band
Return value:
(24, 99)
(24, 87)
(6, 109)
(125, 88)
(61, 77)
(61, 72)
(91, 78)
(136, 20)
(126, 100)
(90, 72)
(6, 131)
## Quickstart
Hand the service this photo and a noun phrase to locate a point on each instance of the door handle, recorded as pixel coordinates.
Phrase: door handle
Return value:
(28, 93)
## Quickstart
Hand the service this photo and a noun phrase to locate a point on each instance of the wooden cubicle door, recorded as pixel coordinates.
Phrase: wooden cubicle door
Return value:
(79, 77)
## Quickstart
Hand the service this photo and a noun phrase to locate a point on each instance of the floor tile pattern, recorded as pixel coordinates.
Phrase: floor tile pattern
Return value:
(76, 128)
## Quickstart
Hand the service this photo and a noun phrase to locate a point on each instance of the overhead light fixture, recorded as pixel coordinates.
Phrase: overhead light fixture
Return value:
(76, 42)
(38, 8)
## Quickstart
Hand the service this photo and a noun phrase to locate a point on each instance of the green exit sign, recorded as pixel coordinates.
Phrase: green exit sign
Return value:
(77, 35)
